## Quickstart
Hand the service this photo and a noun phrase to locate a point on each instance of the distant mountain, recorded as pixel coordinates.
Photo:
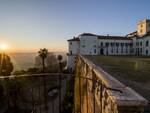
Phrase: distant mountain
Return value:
(27, 60)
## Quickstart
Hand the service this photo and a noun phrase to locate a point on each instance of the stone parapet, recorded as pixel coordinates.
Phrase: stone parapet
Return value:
(96, 91)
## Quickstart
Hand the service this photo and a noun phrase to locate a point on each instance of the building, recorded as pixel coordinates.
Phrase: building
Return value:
(135, 43)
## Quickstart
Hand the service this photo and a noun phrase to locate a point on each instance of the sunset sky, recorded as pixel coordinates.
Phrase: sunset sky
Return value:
(27, 25)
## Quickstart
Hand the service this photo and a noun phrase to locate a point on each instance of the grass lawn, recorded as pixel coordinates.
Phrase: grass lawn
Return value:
(130, 70)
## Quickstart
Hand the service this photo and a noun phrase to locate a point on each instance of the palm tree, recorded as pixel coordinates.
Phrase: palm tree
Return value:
(43, 54)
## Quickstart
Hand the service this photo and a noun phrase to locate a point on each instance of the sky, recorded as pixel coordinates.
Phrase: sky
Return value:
(27, 25)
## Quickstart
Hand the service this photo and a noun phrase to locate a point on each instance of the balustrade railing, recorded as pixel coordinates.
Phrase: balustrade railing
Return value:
(36, 93)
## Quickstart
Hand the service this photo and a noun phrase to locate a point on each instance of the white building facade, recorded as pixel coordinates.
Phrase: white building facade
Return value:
(136, 43)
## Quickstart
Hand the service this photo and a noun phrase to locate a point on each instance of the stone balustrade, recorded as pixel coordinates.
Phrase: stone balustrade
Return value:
(96, 91)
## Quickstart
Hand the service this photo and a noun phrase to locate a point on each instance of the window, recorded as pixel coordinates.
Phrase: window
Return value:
(112, 50)
(126, 50)
(141, 31)
(141, 25)
(94, 50)
(136, 50)
(131, 44)
(101, 43)
(121, 50)
(107, 44)
(70, 43)
(147, 43)
(140, 43)
(132, 50)
(111, 44)
(117, 44)
(83, 45)
(94, 46)
(146, 52)
(70, 52)
(140, 50)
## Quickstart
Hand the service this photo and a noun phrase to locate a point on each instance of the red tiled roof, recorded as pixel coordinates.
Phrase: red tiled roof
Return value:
(147, 34)
(105, 37)
(87, 34)
(100, 37)
(74, 39)
(132, 33)
(113, 37)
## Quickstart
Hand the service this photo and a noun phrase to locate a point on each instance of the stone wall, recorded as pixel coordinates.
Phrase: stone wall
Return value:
(98, 92)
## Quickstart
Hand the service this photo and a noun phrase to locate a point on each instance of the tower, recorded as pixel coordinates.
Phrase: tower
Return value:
(143, 27)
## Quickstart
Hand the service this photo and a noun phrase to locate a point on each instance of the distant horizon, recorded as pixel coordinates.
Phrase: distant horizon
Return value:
(10, 50)
(17, 52)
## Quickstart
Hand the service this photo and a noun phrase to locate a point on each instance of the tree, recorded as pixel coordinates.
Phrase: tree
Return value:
(43, 54)
(6, 66)
(51, 63)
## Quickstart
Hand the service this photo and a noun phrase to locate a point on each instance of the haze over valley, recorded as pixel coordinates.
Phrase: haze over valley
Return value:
(22, 61)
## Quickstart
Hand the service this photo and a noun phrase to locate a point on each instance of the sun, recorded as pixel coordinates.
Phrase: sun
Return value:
(3, 47)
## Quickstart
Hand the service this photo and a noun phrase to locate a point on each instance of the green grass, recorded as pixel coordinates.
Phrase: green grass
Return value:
(132, 71)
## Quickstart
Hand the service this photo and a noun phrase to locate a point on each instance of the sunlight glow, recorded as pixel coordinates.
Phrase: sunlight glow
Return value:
(3, 47)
